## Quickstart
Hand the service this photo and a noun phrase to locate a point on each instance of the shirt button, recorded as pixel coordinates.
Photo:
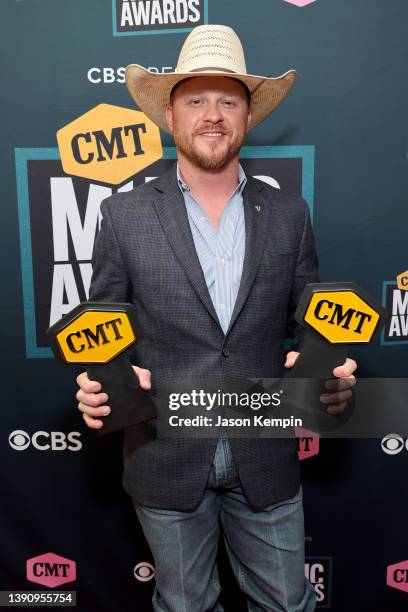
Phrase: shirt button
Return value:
(222, 306)
(202, 219)
(226, 351)
(222, 262)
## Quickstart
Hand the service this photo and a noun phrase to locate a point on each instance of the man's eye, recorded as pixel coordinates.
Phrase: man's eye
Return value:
(228, 103)
(195, 102)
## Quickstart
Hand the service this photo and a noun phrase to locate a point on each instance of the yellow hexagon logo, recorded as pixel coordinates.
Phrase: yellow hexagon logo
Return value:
(402, 281)
(341, 316)
(95, 336)
(109, 144)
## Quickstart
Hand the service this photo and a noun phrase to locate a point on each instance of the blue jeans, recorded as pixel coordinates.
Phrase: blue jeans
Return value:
(265, 548)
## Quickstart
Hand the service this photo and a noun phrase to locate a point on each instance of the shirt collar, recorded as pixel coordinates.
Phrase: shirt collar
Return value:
(242, 179)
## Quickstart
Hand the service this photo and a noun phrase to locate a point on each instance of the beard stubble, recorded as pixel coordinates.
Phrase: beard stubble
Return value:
(213, 160)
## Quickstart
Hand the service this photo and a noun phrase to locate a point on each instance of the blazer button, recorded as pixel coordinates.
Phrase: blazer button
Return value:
(226, 351)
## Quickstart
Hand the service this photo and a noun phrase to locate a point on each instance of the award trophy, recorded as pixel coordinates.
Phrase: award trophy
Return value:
(335, 315)
(98, 335)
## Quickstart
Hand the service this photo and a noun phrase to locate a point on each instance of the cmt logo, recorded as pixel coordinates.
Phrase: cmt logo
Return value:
(143, 571)
(392, 444)
(395, 301)
(158, 16)
(335, 314)
(307, 442)
(92, 335)
(42, 440)
(402, 281)
(109, 144)
(94, 338)
(341, 316)
(397, 576)
(51, 570)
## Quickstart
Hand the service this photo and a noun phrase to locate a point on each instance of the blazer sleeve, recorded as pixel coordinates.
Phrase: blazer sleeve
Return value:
(306, 271)
(109, 281)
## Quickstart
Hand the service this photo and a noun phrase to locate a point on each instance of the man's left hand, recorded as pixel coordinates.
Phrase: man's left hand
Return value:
(337, 401)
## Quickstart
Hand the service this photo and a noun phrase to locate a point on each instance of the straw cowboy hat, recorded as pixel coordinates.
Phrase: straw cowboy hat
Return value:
(208, 50)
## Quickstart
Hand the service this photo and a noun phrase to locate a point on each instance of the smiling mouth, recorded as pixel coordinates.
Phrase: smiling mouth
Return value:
(212, 134)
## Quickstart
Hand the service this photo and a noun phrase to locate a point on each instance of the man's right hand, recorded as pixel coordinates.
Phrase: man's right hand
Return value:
(93, 403)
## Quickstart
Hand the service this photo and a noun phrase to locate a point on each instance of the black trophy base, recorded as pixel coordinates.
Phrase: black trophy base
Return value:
(129, 404)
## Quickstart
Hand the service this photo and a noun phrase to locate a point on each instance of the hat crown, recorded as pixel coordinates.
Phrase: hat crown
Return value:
(212, 47)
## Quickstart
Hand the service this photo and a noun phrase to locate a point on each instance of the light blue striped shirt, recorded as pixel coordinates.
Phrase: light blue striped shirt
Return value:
(221, 253)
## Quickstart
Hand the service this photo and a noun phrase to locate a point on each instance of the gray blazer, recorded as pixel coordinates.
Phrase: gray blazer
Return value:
(145, 254)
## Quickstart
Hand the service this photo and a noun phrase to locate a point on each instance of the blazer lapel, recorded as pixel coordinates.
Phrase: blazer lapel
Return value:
(171, 210)
(255, 235)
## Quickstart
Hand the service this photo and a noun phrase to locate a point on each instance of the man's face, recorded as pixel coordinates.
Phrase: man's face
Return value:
(209, 118)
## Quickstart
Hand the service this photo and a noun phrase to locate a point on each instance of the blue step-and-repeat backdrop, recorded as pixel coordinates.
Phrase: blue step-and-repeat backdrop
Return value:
(339, 140)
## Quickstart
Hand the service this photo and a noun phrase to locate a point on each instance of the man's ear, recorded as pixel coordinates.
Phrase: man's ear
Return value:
(249, 121)
(169, 118)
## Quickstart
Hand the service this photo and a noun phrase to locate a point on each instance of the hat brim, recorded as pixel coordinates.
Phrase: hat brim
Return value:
(151, 91)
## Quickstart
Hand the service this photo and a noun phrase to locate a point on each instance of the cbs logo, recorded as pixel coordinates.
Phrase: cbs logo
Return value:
(42, 440)
(144, 571)
(392, 444)
(106, 75)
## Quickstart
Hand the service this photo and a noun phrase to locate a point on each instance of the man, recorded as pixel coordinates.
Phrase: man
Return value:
(214, 263)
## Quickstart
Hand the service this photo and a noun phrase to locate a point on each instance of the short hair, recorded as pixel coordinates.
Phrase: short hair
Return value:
(245, 87)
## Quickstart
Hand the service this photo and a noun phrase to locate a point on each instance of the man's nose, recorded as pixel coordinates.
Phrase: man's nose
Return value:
(212, 113)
